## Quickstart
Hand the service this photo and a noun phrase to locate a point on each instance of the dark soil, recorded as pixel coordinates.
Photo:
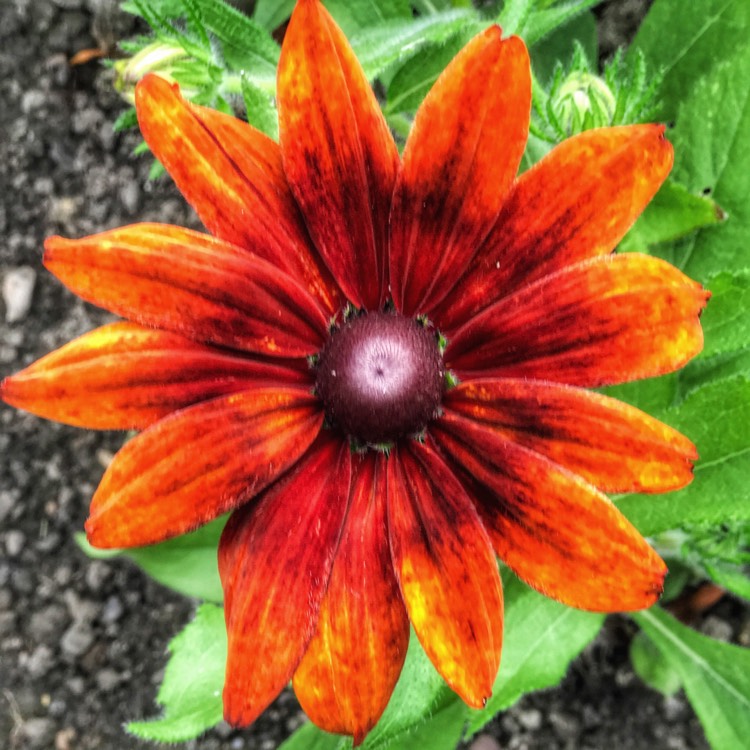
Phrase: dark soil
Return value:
(82, 643)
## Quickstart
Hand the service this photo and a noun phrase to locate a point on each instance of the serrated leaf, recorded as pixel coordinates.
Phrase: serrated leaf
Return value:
(716, 417)
(560, 44)
(310, 737)
(515, 15)
(686, 40)
(422, 712)
(186, 564)
(651, 666)
(193, 681)
(415, 78)
(419, 694)
(381, 47)
(245, 44)
(673, 213)
(541, 638)
(715, 675)
(355, 15)
(260, 109)
(544, 22)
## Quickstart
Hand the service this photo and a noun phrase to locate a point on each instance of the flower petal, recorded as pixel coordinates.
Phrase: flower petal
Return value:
(232, 176)
(459, 162)
(123, 376)
(275, 559)
(339, 156)
(600, 322)
(613, 445)
(190, 283)
(576, 203)
(352, 664)
(447, 572)
(556, 531)
(199, 463)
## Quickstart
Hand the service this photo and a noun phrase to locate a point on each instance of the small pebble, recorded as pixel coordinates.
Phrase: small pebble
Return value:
(484, 742)
(14, 542)
(530, 719)
(40, 662)
(77, 640)
(38, 732)
(18, 289)
(716, 628)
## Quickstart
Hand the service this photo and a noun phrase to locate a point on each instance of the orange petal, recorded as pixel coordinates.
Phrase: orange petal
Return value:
(447, 571)
(556, 531)
(352, 664)
(199, 463)
(576, 203)
(600, 322)
(275, 559)
(613, 445)
(459, 162)
(231, 174)
(339, 156)
(123, 376)
(190, 283)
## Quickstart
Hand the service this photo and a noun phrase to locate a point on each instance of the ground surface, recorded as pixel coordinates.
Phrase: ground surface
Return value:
(82, 643)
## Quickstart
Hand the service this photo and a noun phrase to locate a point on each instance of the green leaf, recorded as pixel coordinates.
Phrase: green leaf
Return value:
(726, 320)
(309, 737)
(379, 48)
(730, 577)
(193, 681)
(652, 667)
(186, 563)
(541, 638)
(716, 417)
(712, 153)
(415, 78)
(260, 109)
(673, 213)
(715, 675)
(356, 15)
(420, 694)
(687, 40)
(544, 22)
(272, 13)
(515, 16)
(560, 44)
(245, 44)
(422, 712)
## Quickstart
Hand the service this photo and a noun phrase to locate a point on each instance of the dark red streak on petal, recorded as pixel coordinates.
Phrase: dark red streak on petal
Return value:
(275, 560)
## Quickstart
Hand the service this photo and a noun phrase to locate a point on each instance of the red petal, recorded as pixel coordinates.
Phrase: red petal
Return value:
(123, 376)
(576, 203)
(187, 282)
(275, 559)
(604, 321)
(613, 445)
(232, 176)
(447, 572)
(339, 156)
(352, 664)
(459, 162)
(199, 463)
(556, 531)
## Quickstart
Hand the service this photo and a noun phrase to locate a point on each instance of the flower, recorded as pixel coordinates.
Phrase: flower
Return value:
(379, 365)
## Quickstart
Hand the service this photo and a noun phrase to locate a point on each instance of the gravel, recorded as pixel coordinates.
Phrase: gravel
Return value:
(83, 643)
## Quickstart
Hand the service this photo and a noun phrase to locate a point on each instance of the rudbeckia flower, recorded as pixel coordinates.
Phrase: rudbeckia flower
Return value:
(378, 364)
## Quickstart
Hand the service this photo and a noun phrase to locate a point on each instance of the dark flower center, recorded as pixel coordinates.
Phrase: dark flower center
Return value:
(380, 377)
